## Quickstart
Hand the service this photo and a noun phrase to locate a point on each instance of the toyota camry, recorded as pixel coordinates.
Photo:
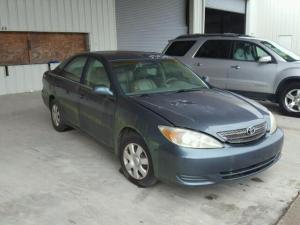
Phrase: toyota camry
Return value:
(161, 120)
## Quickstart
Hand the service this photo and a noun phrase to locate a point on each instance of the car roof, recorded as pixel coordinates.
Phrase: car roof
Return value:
(126, 55)
(213, 35)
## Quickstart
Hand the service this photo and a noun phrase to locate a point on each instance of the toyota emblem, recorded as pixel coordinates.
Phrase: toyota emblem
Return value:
(251, 130)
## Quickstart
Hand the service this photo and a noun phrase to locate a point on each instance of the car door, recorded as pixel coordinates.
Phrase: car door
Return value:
(246, 73)
(97, 110)
(67, 88)
(211, 60)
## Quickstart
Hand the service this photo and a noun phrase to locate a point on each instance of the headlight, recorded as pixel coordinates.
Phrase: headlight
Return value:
(188, 138)
(273, 124)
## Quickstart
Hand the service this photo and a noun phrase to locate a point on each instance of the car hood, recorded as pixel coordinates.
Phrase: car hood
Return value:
(207, 110)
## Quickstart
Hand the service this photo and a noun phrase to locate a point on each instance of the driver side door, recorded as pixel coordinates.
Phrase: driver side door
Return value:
(96, 110)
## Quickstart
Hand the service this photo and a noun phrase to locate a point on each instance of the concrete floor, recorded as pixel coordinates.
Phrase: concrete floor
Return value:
(51, 178)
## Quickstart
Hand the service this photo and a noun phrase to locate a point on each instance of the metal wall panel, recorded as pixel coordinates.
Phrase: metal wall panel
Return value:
(273, 19)
(96, 17)
(238, 6)
(148, 25)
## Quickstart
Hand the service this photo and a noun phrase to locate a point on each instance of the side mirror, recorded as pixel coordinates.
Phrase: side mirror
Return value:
(265, 59)
(103, 90)
(205, 78)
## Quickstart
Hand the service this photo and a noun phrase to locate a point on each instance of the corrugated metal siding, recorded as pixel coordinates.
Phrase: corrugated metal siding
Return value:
(272, 19)
(96, 17)
(148, 25)
(238, 6)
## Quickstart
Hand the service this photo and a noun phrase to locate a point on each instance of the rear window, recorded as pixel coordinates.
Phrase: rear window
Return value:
(218, 49)
(179, 48)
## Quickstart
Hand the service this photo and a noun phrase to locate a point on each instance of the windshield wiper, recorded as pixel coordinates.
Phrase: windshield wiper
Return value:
(187, 90)
(144, 95)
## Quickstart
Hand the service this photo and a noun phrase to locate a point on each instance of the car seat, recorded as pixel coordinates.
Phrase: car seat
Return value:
(142, 81)
(97, 77)
(125, 79)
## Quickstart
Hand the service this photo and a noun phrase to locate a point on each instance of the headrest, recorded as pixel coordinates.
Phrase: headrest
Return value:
(140, 73)
(123, 77)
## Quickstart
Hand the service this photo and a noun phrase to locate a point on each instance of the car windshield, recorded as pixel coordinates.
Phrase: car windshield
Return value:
(282, 52)
(138, 77)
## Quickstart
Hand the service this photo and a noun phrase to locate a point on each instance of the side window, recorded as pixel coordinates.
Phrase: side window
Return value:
(246, 51)
(96, 74)
(179, 48)
(217, 49)
(260, 52)
(73, 69)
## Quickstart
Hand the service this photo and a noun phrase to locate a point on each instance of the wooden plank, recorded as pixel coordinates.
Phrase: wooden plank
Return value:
(47, 47)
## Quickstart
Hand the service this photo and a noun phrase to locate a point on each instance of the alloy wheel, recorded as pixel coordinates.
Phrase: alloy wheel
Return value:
(292, 100)
(136, 161)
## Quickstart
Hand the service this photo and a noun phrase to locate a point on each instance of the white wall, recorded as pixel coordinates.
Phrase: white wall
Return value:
(96, 17)
(277, 20)
(237, 6)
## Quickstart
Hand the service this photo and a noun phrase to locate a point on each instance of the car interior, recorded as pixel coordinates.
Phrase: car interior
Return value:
(96, 76)
(141, 77)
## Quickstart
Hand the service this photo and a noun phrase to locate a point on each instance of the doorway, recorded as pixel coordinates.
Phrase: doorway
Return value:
(219, 21)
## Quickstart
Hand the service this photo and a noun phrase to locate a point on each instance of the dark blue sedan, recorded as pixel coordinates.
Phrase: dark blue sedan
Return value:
(161, 119)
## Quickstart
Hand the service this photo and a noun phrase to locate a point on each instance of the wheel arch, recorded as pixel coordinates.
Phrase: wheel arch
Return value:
(51, 98)
(123, 132)
(283, 83)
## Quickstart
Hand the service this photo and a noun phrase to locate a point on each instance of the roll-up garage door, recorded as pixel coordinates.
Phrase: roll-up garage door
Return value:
(145, 25)
(238, 6)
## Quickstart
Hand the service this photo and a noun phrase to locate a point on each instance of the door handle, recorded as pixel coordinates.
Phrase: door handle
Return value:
(235, 67)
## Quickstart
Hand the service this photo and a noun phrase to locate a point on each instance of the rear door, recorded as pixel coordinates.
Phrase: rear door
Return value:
(179, 48)
(68, 87)
(211, 60)
(97, 110)
(246, 73)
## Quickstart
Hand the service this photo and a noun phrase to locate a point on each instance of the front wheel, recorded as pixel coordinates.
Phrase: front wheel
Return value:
(136, 161)
(290, 100)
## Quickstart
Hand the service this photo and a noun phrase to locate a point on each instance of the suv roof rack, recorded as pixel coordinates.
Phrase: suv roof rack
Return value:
(212, 35)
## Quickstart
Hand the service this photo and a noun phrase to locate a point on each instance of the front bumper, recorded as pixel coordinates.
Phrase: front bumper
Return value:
(194, 167)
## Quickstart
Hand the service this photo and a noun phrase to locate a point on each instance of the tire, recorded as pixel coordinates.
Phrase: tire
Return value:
(136, 160)
(56, 117)
(290, 94)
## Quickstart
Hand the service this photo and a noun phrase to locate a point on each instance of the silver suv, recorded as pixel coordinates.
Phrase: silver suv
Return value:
(253, 67)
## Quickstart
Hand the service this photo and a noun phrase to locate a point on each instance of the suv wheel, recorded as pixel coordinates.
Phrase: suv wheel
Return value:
(56, 117)
(136, 161)
(290, 99)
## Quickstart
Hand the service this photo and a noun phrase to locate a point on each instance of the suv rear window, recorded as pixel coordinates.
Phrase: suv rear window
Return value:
(218, 49)
(179, 48)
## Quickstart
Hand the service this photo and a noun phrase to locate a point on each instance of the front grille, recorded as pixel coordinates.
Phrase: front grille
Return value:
(245, 134)
(234, 174)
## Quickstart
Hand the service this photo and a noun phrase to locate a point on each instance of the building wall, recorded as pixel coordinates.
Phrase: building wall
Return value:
(276, 20)
(95, 17)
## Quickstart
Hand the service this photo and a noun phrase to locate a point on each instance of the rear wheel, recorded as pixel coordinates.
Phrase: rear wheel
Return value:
(290, 99)
(136, 160)
(56, 117)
